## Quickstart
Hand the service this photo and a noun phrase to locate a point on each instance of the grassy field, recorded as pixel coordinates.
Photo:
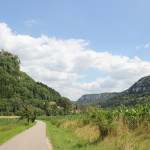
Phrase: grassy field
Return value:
(119, 129)
(10, 127)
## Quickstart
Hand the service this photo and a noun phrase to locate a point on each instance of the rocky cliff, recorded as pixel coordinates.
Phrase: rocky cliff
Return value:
(95, 98)
(141, 85)
(138, 93)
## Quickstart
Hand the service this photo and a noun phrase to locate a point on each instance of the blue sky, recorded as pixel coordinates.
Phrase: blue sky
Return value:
(112, 28)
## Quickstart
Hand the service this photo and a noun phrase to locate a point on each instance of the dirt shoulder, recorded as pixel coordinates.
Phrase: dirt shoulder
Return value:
(9, 116)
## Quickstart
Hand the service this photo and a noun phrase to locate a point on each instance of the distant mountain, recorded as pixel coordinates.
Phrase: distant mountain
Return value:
(138, 93)
(95, 98)
(140, 86)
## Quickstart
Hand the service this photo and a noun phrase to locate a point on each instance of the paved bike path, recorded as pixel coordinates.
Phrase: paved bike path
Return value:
(31, 139)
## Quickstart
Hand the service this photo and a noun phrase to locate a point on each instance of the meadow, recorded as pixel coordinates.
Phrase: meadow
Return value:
(116, 129)
(9, 127)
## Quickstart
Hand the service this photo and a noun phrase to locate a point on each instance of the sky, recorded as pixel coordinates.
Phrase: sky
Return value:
(79, 46)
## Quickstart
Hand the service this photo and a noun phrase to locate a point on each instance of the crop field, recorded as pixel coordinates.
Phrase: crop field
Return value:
(120, 128)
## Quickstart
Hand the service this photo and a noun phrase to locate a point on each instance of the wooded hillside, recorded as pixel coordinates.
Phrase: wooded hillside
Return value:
(18, 88)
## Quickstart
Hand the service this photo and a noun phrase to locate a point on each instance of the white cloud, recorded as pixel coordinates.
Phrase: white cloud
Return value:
(30, 23)
(147, 45)
(60, 63)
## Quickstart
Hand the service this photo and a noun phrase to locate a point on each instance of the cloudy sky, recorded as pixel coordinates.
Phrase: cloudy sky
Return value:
(79, 46)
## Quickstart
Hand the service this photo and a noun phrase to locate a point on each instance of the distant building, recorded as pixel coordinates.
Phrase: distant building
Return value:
(73, 105)
(52, 103)
(58, 107)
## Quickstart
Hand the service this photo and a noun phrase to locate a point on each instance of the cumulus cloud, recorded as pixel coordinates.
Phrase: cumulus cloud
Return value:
(61, 63)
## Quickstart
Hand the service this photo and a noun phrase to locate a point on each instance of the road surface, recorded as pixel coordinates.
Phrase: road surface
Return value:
(31, 139)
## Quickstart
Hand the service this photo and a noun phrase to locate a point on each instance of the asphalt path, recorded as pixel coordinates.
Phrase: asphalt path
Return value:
(31, 139)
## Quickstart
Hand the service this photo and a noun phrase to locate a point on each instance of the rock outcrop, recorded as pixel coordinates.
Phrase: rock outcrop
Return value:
(141, 85)
(95, 98)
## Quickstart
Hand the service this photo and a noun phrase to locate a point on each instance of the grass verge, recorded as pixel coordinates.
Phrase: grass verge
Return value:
(67, 135)
(9, 131)
(64, 140)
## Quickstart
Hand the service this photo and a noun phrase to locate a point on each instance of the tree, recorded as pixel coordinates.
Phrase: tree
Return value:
(66, 104)
(29, 112)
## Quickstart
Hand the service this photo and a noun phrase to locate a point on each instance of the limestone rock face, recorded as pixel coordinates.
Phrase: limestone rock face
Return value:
(141, 85)
(95, 98)
(90, 96)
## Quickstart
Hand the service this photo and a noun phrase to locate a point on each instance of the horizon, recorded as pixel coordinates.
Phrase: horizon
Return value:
(79, 47)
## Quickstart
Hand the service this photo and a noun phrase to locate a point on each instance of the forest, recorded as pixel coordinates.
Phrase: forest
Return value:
(18, 91)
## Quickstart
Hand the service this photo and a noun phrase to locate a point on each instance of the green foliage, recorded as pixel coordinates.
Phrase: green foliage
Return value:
(119, 128)
(127, 99)
(16, 87)
(51, 110)
(28, 112)
(66, 104)
(133, 116)
(138, 93)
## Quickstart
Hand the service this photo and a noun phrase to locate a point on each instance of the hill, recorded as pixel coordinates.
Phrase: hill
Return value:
(17, 88)
(95, 98)
(138, 93)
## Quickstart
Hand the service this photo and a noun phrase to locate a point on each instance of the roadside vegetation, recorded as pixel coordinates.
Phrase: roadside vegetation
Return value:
(10, 127)
(63, 140)
(121, 128)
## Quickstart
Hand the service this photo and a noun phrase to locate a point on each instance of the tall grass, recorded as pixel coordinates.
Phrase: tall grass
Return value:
(126, 139)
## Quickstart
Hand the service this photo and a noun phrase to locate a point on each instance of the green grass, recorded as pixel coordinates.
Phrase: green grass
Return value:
(10, 128)
(71, 117)
(7, 121)
(64, 140)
